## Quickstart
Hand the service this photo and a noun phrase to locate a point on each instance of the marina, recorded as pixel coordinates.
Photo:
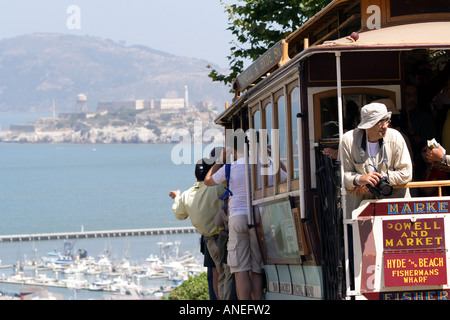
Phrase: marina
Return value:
(151, 279)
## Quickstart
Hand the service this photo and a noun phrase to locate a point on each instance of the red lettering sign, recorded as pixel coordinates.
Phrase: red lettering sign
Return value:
(403, 234)
(414, 269)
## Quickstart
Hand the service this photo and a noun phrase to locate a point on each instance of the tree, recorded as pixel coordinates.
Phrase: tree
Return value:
(195, 288)
(258, 25)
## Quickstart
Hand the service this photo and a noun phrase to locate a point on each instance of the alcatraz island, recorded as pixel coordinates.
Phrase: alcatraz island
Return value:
(133, 121)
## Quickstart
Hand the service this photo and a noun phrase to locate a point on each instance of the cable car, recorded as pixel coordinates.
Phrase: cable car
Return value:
(299, 98)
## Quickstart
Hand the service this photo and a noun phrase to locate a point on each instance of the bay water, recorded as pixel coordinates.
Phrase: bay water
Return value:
(49, 188)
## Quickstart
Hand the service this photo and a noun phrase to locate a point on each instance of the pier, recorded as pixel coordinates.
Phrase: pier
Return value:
(97, 234)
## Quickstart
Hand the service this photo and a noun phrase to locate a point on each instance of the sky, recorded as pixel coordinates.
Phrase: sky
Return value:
(188, 28)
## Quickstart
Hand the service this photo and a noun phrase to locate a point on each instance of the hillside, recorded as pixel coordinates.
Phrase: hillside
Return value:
(39, 68)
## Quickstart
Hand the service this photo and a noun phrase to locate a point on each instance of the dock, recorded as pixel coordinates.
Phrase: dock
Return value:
(97, 234)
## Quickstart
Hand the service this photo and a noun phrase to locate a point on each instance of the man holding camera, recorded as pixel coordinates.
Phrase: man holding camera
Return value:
(375, 157)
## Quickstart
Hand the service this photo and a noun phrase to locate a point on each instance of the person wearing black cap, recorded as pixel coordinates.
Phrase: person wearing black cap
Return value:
(373, 152)
(200, 203)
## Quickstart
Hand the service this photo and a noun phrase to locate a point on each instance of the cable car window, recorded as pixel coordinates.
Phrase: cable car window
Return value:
(351, 109)
(353, 99)
(268, 138)
(294, 99)
(282, 130)
(236, 122)
(257, 127)
(279, 232)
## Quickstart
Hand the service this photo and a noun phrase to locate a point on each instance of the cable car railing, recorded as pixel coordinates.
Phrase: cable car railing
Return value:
(426, 184)
(421, 184)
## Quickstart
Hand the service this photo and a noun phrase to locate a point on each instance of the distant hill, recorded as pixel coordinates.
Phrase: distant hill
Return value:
(39, 68)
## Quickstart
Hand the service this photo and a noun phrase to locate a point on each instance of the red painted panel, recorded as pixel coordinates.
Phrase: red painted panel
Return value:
(411, 269)
(403, 234)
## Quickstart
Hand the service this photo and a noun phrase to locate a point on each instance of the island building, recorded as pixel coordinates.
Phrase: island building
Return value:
(156, 104)
(161, 104)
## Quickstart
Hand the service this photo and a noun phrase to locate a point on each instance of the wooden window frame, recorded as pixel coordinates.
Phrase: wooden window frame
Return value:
(333, 92)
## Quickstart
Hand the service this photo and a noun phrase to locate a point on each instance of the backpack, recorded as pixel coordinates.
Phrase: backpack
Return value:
(227, 177)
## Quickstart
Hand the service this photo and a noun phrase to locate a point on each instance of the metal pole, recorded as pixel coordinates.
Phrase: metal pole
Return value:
(247, 186)
(341, 129)
(343, 191)
(300, 164)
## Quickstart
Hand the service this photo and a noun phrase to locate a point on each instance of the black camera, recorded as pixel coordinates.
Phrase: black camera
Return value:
(383, 188)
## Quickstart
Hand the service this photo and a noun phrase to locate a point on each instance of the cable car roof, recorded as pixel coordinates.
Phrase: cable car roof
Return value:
(430, 32)
(426, 34)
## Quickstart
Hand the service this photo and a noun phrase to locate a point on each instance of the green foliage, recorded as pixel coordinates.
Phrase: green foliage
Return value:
(258, 25)
(195, 288)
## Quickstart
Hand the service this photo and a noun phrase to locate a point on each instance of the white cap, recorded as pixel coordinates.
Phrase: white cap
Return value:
(390, 106)
(372, 113)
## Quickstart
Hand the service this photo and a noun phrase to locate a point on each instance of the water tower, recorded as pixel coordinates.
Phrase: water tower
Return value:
(82, 103)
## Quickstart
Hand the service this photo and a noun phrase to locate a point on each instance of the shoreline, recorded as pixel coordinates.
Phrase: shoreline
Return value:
(107, 135)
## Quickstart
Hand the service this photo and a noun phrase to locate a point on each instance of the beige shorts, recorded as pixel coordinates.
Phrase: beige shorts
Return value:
(243, 248)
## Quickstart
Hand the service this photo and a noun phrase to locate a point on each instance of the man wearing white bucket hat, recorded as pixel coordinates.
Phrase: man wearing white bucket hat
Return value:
(375, 157)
